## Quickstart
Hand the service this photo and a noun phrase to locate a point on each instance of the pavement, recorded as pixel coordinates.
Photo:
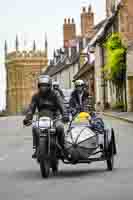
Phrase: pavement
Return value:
(125, 116)
(20, 176)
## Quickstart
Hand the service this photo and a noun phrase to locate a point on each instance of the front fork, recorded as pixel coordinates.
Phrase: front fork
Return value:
(47, 144)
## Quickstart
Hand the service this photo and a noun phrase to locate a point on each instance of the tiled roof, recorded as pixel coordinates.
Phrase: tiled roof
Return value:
(85, 68)
(103, 28)
(54, 69)
(98, 26)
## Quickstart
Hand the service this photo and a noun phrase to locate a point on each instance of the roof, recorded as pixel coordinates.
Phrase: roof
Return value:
(98, 26)
(103, 28)
(60, 66)
(85, 68)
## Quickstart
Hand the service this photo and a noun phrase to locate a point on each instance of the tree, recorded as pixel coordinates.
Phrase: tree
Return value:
(115, 68)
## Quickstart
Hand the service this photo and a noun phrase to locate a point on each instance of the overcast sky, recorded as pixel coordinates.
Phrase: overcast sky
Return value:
(30, 19)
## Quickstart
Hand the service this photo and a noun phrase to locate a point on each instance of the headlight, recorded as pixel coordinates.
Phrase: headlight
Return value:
(52, 131)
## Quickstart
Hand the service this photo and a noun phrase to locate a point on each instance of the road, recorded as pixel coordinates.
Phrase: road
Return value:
(20, 176)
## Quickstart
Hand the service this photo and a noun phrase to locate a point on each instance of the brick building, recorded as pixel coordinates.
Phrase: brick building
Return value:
(119, 19)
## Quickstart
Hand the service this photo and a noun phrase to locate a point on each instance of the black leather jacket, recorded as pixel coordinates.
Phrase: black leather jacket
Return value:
(49, 105)
(60, 92)
(75, 102)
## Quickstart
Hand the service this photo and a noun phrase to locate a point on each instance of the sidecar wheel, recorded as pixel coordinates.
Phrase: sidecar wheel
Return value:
(110, 159)
(45, 168)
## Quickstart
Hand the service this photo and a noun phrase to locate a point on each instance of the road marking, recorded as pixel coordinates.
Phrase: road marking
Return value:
(4, 157)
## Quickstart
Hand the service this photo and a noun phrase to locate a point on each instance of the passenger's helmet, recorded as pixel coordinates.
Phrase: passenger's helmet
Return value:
(55, 84)
(44, 83)
(79, 83)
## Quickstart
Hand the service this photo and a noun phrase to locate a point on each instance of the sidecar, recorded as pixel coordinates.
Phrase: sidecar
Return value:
(88, 140)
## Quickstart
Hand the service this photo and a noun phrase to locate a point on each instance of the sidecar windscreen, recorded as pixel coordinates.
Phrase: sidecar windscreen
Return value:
(81, 119)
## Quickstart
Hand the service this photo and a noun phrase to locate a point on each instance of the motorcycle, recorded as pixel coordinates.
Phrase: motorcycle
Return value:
(49, 148)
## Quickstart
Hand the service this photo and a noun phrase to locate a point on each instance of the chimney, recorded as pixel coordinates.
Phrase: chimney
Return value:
(69, 31)
(87, 22)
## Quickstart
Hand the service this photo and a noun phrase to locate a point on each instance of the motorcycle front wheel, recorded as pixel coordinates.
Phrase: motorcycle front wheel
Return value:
(45, 168)
(44, 163)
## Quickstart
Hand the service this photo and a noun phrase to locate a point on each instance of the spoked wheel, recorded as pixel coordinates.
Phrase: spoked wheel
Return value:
(110, 159)
(45, 168)
(44, 163)
(54, 166)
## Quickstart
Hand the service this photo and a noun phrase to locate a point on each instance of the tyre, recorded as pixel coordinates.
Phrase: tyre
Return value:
(114, 141)
(54, 166)
(44, 162)
(110, 159)
(45, 168)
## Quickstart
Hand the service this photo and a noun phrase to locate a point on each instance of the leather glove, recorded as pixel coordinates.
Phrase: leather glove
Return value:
(27, 122)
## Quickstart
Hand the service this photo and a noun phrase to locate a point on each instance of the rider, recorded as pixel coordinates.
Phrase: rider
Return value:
(56, 87)
(48, 103)
(79, 98)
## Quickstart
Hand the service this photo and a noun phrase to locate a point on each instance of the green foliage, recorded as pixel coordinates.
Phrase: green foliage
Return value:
(113, 42)
(115, 68)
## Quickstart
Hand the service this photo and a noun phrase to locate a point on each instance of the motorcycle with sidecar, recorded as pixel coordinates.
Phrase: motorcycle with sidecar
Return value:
(87, 140)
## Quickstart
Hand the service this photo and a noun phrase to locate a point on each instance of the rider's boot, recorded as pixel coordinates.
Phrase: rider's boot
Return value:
(34, 155)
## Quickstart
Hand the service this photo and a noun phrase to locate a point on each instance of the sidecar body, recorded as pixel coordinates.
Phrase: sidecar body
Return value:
(88, 140)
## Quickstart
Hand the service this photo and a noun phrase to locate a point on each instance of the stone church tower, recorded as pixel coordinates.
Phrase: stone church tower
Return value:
(22, 70)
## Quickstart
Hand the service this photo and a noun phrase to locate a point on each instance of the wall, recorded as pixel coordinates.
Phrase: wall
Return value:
(65, 77)
(130, 80)
(98, 74)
